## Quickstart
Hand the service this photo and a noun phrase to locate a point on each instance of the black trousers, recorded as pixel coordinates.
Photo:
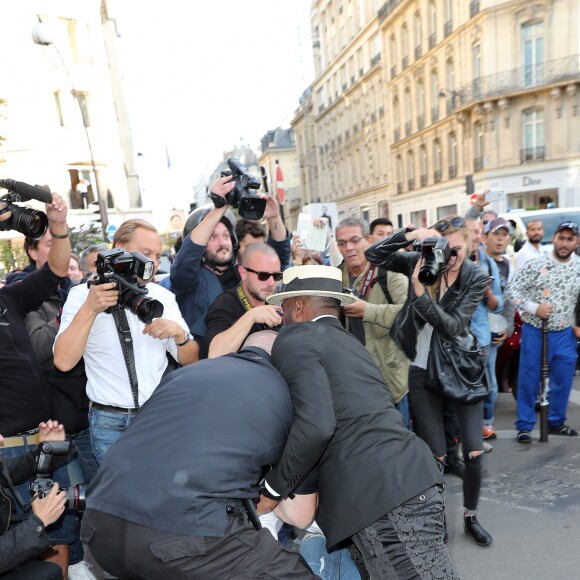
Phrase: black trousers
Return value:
(407, 543)
(129, 550)
(34, 571)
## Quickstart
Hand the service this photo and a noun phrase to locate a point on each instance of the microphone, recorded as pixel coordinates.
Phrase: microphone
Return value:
(26, 191)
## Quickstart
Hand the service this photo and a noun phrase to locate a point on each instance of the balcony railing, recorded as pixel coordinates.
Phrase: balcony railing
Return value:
(420, 122)
(473, 8)
(477, 164)
(434, 114)
(376, 59)
(387, 8)
(452, 171)
(393, 71)
(437, 175)
(450, 105)
(405, 63)
(533, 154)
(448, 28)
(373, 116)
(418, 51)
(399, 188)
(546, 73)
(397, 135)
(423, 180)
(411, 184)
(408, 129)
(432, 40)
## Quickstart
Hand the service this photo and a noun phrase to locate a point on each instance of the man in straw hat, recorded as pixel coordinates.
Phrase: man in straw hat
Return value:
(378, 483)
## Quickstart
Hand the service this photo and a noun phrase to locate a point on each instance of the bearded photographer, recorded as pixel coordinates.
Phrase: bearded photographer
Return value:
(437, 309)
(21, 541)
(88, 331)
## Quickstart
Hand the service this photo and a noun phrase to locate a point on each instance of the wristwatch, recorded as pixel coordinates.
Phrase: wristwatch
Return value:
(187, 339)
(266, 493)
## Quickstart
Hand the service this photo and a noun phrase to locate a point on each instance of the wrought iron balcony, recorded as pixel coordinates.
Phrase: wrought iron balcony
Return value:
(376, 59)
(399, 188)
(437, 175)
(432, 40)
(405, 63)
(477, 164)
(452, 171)
(473, 8)
(533, 154)
(411, 184)
(420, 122)
(448, 28)
(434, 114)
(408, 129)
(397, 135)
(423, 180)
(418, 51)
(393, 71)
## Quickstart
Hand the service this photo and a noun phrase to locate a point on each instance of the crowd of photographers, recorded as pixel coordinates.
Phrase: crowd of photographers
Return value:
(87, 341)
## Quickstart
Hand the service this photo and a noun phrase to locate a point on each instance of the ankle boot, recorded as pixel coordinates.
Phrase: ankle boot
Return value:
(473, 528)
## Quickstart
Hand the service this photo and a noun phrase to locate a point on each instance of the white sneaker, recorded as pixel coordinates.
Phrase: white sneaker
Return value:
(81, 571)
(487, 447)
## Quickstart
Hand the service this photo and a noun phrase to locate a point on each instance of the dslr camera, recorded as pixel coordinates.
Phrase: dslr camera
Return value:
(124, 269)
(435, 253)
(42, 483)
(242, 197)
(30, 222)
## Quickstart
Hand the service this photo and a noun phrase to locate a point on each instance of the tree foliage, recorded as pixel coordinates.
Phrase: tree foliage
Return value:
(85, 236)
(11, 257)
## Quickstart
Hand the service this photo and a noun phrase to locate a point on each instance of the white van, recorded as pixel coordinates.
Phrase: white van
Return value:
(550, 218)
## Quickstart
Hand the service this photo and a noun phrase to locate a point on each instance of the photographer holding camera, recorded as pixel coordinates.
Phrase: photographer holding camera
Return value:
(23, 540)
(444, 292)
(117, 385)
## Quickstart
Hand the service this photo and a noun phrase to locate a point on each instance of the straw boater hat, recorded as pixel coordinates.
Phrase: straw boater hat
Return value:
(311, 281)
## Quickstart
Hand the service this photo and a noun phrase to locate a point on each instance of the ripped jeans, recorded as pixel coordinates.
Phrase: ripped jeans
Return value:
(337, 563)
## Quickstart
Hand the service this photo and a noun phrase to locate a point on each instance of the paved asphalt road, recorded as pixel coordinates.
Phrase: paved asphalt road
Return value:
(530, 503)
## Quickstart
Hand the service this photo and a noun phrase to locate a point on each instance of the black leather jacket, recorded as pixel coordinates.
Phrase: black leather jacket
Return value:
(450, 317)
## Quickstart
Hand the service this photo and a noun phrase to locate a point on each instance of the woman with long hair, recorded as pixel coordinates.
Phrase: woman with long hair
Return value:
(440, 307)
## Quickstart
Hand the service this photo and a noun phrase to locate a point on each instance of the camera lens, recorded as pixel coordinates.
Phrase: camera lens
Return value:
(30, 222)
(144, 307)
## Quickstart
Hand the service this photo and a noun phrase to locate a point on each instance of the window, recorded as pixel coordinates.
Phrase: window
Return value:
(434, 96)
(365, 214)
(408, 112)
(399, 170)
(432, 23)
(420, 105)
(419, 218)
(418, 31)
(446, 210)
(393, 51)
(83, 104)
(411, 170)
(533, 53)
(452, 155)
(423, 165)
(396, 120)
(405, 46)
(476, 65)
(478, 147)
(71, 26)
(533, 135)
(437, 161)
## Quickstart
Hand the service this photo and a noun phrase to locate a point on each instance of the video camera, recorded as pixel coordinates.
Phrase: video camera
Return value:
(42, 484)
(124, 269)
(435, 253)
(27, 221)
(249, 205)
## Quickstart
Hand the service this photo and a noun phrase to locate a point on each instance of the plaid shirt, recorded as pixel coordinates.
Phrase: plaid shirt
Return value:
(546, 280)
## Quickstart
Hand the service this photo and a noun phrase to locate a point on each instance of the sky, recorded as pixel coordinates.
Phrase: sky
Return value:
(203, 76)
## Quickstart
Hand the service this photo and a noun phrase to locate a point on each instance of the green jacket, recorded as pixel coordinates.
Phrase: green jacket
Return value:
(377, 320)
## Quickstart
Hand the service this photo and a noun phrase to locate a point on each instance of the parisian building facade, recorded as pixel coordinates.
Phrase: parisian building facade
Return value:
(415, 100)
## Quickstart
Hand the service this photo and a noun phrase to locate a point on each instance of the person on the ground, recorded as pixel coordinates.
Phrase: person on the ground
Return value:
(546, 291)
(345, 423)
(159, 510)
(88, 331)
(440, 311)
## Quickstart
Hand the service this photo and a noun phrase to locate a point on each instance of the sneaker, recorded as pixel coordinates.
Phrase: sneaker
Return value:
(81, 571)
(489, 432)
(524, 436)
(563, 430)
(487, 447)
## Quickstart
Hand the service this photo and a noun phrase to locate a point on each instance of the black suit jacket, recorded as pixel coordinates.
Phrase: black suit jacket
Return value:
(345, 420)
(203, 437)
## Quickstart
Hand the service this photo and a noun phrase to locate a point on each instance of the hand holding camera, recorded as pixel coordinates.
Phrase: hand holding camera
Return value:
(50, 507)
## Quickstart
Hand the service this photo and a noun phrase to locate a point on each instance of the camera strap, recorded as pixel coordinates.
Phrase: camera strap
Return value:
(126, 340)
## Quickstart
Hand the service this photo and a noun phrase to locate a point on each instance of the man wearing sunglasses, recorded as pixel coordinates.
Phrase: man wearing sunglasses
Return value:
(241, 311)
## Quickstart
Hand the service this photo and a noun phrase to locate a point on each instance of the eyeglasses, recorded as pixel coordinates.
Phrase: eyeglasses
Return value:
(484, 222)
(263, 276)
(354, 241)
(443, 225)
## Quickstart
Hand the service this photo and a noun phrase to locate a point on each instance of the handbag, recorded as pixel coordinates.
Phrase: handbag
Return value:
(457, 369)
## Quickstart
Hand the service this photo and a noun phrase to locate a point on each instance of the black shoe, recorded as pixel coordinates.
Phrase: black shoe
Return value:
(455, 466)
(474, 529)
(524, 436)
(563, 430)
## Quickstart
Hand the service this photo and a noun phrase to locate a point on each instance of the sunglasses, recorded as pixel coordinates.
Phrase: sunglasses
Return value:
(443, 225)
(263, 276)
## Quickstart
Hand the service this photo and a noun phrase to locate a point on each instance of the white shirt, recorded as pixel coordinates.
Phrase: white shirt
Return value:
(528, 252)
(107, 377)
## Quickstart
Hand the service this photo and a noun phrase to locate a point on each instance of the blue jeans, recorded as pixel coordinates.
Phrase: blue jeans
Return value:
(562, 355)
(337, 563)
(489, 401)
(403, 407)
(106, 428)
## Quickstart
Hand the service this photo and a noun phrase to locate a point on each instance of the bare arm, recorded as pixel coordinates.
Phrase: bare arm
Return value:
(71, 343)
(298, 512)
(276, 226)
(163, 328)
(59, 253)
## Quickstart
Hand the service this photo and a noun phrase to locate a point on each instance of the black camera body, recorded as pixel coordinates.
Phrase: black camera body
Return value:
(125, 269)
(242, 197)
(42, 483)
(435, 253)
(30, 222)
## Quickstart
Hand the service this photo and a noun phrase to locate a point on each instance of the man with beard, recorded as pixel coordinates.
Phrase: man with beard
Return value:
(242, 311)
(547, 288)
(532, 247)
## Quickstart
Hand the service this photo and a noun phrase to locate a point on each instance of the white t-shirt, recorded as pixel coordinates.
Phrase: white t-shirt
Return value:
(529, 252)
(107, 377)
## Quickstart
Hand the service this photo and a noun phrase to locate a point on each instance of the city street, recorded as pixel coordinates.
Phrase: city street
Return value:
(530, 503)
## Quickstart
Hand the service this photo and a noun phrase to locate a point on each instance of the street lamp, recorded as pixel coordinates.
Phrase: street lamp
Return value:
(41, 36)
